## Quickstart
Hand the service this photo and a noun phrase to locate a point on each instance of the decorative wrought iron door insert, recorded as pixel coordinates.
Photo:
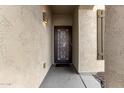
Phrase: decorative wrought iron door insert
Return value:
(62, 44)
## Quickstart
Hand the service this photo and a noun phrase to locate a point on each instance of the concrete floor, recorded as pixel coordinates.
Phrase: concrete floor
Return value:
(90, 81)
(65, 77)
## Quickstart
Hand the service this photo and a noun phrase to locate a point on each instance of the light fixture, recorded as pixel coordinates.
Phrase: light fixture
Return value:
(45, 18)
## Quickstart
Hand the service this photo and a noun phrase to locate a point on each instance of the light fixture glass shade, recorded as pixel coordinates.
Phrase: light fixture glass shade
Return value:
(45, 19)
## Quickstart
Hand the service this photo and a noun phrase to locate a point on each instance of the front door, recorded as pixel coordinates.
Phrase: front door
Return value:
(62, 44)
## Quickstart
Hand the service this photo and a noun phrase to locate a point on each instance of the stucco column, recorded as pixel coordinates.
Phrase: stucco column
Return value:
(114, 46)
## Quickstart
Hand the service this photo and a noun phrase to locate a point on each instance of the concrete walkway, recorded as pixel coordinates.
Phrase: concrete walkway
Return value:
(66, 77)
(90, 81)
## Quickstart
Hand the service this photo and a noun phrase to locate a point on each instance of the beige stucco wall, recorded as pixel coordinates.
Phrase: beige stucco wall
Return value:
(25, 44)
(88, 40)
(114, 46)
(75, 34)
(62, 19)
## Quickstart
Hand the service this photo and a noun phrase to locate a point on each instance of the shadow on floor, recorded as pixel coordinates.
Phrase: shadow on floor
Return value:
(62, 77)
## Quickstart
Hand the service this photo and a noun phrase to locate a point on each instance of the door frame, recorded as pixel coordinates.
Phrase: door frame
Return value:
(62, 26)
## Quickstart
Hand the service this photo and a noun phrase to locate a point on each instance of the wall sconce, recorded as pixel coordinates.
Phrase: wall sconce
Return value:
(45, 18)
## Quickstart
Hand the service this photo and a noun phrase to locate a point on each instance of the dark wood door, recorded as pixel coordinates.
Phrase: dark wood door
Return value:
(62, 44)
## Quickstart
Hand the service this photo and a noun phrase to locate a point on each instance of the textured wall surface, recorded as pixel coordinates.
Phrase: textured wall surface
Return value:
(25, 44)
(75, 40)
(60, 19)
(88, 41)
(114, 46)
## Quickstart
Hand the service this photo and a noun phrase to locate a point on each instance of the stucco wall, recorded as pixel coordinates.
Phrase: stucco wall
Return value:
(75, 51)
(114, 46)
(88, 40)
(25, 44)
(62, 19)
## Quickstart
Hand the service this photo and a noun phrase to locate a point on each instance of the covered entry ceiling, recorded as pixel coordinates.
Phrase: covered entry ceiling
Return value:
(62, 9)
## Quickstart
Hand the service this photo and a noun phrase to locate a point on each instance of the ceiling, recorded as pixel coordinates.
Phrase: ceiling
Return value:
(62, 9)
